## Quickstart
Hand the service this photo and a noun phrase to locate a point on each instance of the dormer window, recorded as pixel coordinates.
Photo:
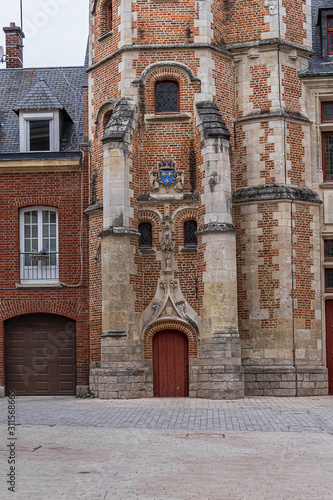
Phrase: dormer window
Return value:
(39, 131)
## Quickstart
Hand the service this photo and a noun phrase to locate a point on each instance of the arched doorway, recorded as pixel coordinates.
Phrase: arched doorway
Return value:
(170, 364)
(40, 355)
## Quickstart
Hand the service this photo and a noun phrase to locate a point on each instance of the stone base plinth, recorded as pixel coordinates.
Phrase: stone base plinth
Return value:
(282, 381)
(219, 370)
(123, 374)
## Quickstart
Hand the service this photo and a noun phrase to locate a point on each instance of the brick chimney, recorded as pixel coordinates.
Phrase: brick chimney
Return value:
(14, 46)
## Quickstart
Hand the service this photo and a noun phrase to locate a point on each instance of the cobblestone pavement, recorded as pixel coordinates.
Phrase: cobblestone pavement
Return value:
(158, 449)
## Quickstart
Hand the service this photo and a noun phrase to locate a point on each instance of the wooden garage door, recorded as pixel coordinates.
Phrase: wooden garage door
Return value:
(170, 364)
(40, 355)
(329, 343)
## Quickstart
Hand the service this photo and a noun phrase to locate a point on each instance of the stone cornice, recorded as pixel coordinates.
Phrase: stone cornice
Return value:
(273, 114)
(118, 231)
(189, 46)
(227, 50)
(275, 192)
(216, 227)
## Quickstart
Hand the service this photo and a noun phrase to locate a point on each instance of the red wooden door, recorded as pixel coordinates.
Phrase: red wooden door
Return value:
(329, 343)
(170, 364)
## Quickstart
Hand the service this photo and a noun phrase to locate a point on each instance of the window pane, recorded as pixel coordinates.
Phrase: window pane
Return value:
(45, 216)
(328, 111)
(330, 43)
(166, 97)
(40, 135)
(27, 232)
(329, 249)
(190, 228)
(330, 22)
(328, 156)
(53, 217)
(329, 278)
(145, 235)
(53, 230)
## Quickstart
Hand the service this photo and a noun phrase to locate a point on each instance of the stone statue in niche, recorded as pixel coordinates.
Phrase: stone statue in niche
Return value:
(167, 244)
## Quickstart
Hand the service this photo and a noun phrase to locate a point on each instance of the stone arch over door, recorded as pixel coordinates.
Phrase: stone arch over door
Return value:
(40, 354)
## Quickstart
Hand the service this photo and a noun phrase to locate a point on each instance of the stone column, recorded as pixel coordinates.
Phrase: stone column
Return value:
(121, 374)
(219, 356)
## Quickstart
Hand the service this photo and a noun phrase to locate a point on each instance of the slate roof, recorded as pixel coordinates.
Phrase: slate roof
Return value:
(318, 65)
(39, 96)
(45, 88)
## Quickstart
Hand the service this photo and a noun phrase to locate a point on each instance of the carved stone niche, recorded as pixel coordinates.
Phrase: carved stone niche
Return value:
(169, 303)
(166, 180)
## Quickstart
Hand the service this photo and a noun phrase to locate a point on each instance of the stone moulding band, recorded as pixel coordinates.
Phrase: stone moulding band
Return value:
(113, 334)
(118, 231)
(275, 192)
(216, 227)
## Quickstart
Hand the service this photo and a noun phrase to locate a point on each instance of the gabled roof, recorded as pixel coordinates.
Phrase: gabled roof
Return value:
(39, 96)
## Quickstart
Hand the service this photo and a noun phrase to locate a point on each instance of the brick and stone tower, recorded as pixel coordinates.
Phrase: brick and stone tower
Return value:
(199, 134)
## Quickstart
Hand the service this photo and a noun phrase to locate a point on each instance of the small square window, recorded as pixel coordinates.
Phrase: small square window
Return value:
(145, 235)
(190, 237)
(329, 280)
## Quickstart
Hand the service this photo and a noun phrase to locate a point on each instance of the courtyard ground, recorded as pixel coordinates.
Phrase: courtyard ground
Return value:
(161, 448)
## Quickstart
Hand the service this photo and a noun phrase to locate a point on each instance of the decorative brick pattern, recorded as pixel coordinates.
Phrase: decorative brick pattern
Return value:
(170, 325)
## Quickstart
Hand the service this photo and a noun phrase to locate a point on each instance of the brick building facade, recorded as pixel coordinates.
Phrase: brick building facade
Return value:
(44, 315)
(210, 216)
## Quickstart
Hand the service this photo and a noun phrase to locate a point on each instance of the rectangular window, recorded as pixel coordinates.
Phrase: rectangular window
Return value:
(328, 253)
(327, 112)
(329, 280)
(39, 131)
(330, 34)
(39, 135)
(327, 146)
(39, 245)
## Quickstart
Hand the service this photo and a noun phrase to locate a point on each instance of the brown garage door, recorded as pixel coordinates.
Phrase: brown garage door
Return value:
(40, 355)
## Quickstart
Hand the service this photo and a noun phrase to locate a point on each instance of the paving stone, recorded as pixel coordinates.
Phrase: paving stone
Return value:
(161, 448)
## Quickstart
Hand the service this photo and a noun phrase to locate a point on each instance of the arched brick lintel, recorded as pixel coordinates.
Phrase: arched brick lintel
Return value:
(170, 325)
(70, 309)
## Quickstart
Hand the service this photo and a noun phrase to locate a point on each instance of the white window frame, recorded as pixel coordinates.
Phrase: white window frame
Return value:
(38, 273)
(54, 121)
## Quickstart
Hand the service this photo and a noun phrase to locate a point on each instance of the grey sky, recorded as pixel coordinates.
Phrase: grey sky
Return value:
(56, 30)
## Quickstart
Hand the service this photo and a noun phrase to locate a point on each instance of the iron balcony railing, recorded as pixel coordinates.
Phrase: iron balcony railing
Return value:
(39, 267)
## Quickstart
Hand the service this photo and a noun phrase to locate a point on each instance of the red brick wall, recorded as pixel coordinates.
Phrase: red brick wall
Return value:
(61, 190)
